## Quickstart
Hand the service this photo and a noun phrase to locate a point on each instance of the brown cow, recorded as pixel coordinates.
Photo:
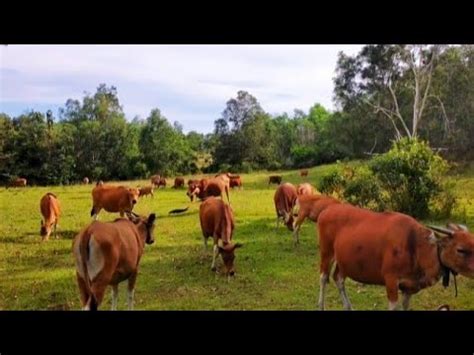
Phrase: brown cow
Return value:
(161, 182)
(113, 199)
(235, 181)
(274, 179)
(285, 198)
(85, 181)
(109, 253)
(147, 190)
(208, 187)
(50, 210)
(217, 221)
(309, 206)
(155, 179)
(178, 182)
(305, 189)
(304, 173)
(20, 182)
(389, 249)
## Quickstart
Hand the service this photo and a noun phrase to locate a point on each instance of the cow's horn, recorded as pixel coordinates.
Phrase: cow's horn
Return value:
(441, 230)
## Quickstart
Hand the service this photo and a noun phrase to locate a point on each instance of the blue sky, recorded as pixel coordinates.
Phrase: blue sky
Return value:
(188, 83)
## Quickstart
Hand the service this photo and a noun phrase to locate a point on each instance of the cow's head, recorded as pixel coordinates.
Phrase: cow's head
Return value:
(146, 225)
(227, 253)
(45, 230)
(133, 195)
(193, 190)
(457, 248)
(288, 218)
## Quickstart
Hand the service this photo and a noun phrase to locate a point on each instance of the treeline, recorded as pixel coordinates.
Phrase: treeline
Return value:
(383, 93)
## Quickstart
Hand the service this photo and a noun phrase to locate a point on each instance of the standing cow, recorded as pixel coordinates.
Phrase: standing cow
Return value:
(85, 181)
(274, 179)
(113, 199)
(146, 190)
(389, 249)
(109, 253)
(208, 187)
(285, 198)
(20, 182)
(217, 221)
(50, 210)
(304, 173)
(178, 182)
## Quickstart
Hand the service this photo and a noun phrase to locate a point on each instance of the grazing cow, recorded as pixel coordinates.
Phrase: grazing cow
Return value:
(389, 249)
(208, 187)
(274, 179)
(155, 180)
(113, 199)
(85, 181)
(20, 182)
(160, 182)
(309, 206)
(285, 198)
(178, 182)
(50, 210)
(193, 181)
(147, 190)
(109, 253)
(305, 189)
(217, 221)
(304, 173)
(235, 181)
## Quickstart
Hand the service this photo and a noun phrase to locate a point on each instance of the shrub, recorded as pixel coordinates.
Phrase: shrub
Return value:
(411, 174)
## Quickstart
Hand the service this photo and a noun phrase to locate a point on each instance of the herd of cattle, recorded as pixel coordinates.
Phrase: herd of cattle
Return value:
(389, 249)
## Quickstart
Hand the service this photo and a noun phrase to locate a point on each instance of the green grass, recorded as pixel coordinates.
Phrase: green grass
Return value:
(175, 271)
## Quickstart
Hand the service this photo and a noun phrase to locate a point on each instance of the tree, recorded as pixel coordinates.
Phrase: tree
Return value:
(390, 78)
(241, 109)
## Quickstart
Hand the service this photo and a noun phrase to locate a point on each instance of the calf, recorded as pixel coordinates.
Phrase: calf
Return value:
(113, 199)
(178, 182)
(285, 198)
(217, 221)
(304, 173)
(161, 182)
(389, 249)
(50, 210)
(147, 190)
(109, 253)
(309, 206)
(274, 179)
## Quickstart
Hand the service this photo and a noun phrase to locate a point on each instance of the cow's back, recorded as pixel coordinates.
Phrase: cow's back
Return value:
(111, 198)
(216, 219)
(49, 206)
(285, 196)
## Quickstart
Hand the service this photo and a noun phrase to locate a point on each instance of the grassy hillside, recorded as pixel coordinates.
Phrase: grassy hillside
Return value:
(175, 271)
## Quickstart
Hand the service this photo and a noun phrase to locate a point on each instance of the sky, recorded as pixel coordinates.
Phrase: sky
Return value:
(188, 83)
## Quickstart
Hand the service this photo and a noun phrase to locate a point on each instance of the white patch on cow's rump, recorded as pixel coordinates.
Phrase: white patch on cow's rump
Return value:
(96, 259)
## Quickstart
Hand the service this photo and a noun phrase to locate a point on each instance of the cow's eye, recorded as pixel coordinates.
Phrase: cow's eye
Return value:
(463, 252)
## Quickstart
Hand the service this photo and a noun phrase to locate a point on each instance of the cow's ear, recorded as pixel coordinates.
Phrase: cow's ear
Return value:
(238, 245)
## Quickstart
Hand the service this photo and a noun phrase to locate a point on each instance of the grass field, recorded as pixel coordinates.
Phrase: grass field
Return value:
(175, 271)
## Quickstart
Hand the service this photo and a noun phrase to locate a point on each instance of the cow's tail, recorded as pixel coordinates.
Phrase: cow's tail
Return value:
(84, 253)
(227, 193)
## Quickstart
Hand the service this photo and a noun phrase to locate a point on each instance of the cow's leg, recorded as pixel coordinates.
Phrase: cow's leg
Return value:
(131, 290)
(391, 286)
(205, 243)
(325, 269)
(406, 301)
(214, 256)
(55, 227)
(114, 297)
(339, 278)
(122, 213)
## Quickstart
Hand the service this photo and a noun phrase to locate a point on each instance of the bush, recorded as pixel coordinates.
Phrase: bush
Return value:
(411, 174)
(332, 184)
(362, 189)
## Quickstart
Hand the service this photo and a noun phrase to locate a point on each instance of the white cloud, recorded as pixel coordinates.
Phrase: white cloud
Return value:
(192, 82)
